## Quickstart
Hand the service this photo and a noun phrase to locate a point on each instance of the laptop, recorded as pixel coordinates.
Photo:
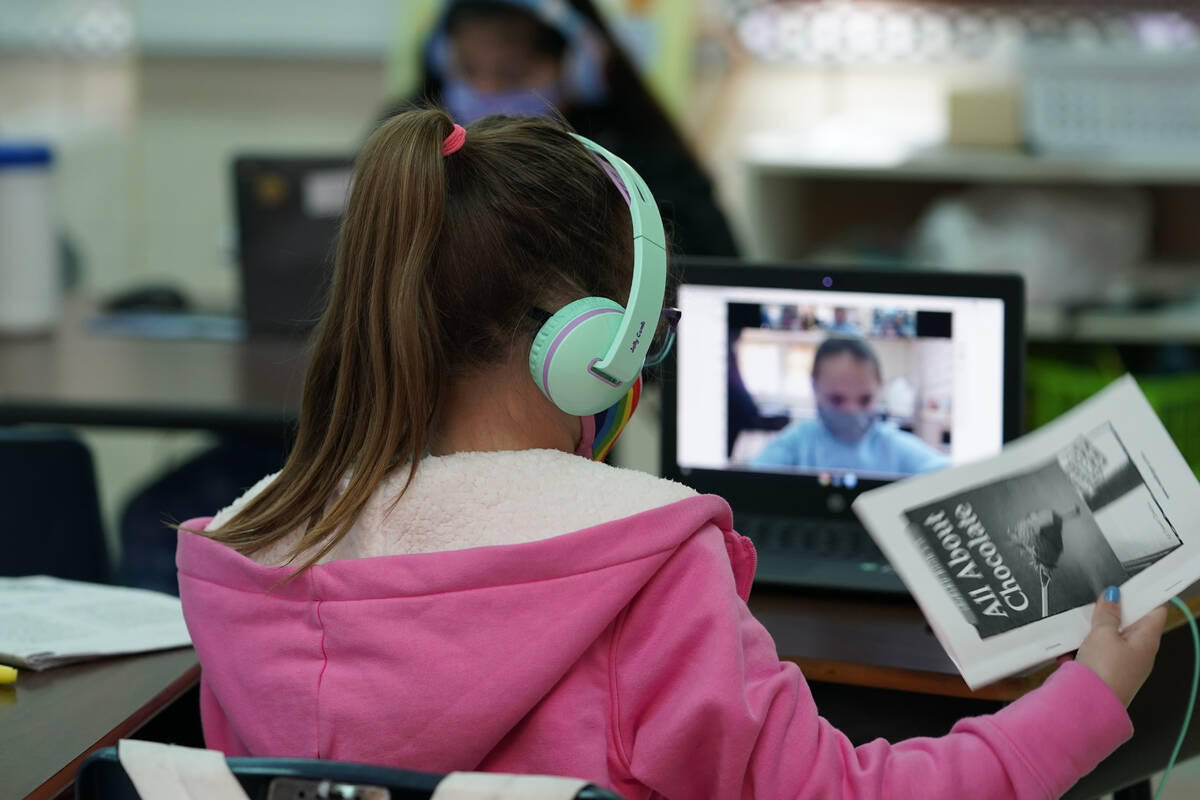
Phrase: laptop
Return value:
(288, 212)
(926, 371)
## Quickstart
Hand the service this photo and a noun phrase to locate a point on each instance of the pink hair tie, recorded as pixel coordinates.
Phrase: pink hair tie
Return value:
(454, 141)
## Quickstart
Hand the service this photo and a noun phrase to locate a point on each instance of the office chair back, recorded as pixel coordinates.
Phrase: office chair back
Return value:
(51, 507)
(101, 777)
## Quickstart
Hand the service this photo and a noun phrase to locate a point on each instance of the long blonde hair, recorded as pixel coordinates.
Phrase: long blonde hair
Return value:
(439, 260)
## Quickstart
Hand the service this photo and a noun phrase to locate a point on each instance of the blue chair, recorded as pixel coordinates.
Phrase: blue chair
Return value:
(199, 487)
(101, 777)
(51, 507)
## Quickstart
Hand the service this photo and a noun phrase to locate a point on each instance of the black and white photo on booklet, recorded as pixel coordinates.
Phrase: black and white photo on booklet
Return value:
(1045, 540)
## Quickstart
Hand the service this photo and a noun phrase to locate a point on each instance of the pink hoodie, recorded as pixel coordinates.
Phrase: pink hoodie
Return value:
(536, 612)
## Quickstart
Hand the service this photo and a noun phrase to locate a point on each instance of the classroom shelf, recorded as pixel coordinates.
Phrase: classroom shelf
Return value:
(1133, 327)
(807, 202)
(784, 154)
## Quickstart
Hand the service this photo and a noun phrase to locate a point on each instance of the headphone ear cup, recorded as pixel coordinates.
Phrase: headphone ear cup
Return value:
(564, 350)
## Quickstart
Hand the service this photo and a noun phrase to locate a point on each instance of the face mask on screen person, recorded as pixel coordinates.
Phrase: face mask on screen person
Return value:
(849, 426)
(846, 384)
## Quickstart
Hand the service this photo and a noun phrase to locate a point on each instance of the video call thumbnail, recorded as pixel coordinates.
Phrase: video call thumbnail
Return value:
(815, 388)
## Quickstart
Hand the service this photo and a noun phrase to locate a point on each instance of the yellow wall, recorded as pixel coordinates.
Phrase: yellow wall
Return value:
(670, 72)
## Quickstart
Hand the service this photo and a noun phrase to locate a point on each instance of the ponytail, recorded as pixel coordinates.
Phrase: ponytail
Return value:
(377, 367)
(439, 259)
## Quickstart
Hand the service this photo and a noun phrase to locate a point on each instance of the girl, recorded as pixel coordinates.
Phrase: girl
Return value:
(440, 577)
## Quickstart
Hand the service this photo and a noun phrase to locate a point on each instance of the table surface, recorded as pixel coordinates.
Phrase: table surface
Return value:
(75, 377)
(868, 642)
(883, 644)
(49, 721)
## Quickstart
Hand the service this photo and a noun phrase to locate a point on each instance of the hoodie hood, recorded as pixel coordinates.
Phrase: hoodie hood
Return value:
(430, 635)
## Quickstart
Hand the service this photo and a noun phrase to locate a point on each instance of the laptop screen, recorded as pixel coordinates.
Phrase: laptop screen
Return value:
(841, 380)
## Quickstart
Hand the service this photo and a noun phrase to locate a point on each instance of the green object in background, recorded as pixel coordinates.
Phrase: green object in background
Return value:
(414, 19)
(1053, 388)
(661, 39)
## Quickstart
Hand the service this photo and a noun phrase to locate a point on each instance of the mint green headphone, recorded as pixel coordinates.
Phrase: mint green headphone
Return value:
(586, 356)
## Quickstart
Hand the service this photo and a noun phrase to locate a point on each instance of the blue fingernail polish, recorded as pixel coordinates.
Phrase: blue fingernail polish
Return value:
(1112, 594)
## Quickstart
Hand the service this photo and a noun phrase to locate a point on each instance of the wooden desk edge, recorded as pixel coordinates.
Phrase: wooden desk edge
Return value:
(914, 680)
(910, 680)
(944, 683)
(62, 780)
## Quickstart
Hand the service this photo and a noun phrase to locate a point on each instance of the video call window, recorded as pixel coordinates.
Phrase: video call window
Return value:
(823, 387)
(903, 384)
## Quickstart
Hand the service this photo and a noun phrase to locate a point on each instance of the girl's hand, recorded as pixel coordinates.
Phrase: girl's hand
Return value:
(1122, 659)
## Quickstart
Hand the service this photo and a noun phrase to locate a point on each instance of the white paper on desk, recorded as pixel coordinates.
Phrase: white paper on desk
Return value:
(1007, 556)
(46, 622)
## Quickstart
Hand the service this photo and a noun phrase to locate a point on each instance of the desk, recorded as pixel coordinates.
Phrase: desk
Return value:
(864, 642)
(49, 721)
(74, 378)
(873, 667)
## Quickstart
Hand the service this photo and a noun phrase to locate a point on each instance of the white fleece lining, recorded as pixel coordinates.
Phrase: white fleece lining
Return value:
(470, 500)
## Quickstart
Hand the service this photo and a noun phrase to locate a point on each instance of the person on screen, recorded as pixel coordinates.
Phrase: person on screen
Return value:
(848, 432)
(842, 325)
(442, 577)
(554, 58)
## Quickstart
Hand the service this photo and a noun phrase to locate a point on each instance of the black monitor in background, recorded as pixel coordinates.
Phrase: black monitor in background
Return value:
(288, 212)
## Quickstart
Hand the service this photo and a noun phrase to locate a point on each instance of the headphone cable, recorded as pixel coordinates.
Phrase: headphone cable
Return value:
(1187, 718)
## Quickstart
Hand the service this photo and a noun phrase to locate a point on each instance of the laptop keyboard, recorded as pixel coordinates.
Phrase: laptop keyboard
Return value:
(841, 539)
(826, 553)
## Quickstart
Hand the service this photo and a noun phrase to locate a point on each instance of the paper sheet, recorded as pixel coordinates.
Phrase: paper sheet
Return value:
(45, 622)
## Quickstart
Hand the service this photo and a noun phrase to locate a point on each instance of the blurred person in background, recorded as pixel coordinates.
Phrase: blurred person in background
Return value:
(558, 57)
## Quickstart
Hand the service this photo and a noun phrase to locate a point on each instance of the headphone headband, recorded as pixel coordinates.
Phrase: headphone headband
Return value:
(623, 360)
(589, 353)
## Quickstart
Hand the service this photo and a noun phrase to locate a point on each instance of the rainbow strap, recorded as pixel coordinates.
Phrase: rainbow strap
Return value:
(611, 421)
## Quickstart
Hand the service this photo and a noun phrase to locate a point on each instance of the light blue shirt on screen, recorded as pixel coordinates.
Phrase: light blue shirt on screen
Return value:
(884, 448)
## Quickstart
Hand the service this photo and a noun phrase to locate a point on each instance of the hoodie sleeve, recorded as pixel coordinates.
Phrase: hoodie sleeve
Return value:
(704, 708)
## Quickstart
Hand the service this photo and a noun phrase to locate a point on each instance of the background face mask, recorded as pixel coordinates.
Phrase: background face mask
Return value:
(849, 426)
(467, 104)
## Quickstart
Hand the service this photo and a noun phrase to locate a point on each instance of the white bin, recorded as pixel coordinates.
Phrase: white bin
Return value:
(30, 284)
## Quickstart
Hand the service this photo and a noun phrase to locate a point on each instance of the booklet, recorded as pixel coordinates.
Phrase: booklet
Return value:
(1006, 556)
(46, 622)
